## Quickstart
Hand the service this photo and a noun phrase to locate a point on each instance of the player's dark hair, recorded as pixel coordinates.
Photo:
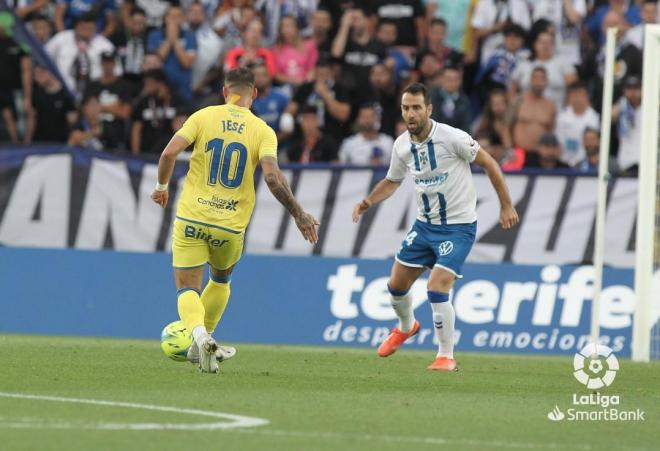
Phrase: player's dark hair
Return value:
(240, 77)
(576, 86)
(137, 11)
(591, 130)
(418, 89)
(438, 21)
(85, 18)
(540, 69)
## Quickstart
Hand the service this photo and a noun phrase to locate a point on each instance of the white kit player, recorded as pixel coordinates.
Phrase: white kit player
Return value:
(438, 157)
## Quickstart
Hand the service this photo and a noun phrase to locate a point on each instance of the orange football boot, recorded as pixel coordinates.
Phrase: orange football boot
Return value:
(395, 339)
(443, 364)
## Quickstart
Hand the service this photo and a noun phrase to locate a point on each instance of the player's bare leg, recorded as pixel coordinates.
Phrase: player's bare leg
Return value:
(401, 279)
(439, 285)
(188, 284)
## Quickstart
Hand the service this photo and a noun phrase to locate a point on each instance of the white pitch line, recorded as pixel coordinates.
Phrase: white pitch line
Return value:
(235, 421)
(449, 442)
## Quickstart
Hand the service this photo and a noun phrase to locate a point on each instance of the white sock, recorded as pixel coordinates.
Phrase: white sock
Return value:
(402, 305)
(443, 323)
(198, 333)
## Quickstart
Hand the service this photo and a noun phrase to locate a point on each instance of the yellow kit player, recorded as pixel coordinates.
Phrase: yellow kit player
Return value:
(216, 204)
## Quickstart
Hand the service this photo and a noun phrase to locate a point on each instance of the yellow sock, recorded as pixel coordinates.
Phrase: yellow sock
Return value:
(191, 310)
(215, 298)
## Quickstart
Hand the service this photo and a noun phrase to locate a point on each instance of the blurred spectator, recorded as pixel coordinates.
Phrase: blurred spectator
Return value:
(649, 14)
(330, 98)
(436, 44)
(453, 12)
(401, 62)
(295, 57)
(89, 131)
(41, 28)
(77, 54)
(114, 96)
(357, 48)
(270, 103)
(152, 61)
(493, 120)
(450, 104)
(489, 19)
(409, 17)
(15, 77)
(567, 17)
(337, 8)
(53, 111)
(67, 12)
(573, 120)
(498, 70)
(367, 146)
(428, 67)
(531, 114)
(559, 73)
(547, 156)
(627, 57)
(155, 10)
(321, 28)
(384, 93)
(591, 144)
(508, 159)
(131, 45)
(251, 52)
(152, 115)
(313, 145)
(209, 45)
(27, 10)
(178, 49)
(628, 113)
(232, 19)
(300, 10)
(627, 9)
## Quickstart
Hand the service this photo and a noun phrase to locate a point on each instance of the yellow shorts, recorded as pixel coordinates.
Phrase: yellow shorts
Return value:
(196, 243)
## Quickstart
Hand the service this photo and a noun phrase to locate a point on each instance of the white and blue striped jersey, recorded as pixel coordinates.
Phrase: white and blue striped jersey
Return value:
(440, 167)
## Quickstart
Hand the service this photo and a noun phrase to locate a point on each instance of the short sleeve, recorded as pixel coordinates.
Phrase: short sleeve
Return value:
(268, 143)
(398, 169)
(464, 146)
(480, 18)
(190, 129)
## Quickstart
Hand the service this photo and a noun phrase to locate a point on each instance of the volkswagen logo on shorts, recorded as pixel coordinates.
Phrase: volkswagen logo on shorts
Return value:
(446, 247)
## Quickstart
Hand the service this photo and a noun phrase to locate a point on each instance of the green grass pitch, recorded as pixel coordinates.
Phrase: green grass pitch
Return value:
(313, 399)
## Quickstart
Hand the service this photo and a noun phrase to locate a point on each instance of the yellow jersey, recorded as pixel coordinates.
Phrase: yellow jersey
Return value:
(229, 142)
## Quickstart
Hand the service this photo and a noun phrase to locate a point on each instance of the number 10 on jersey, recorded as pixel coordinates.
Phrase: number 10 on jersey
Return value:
(220, 166)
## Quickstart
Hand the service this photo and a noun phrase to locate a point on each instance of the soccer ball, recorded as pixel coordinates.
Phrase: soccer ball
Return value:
(175, 341)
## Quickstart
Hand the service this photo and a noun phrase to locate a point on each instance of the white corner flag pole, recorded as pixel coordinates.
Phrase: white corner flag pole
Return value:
(603, 179)
(646, 201)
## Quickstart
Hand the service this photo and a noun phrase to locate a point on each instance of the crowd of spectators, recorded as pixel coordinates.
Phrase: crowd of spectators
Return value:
(523, 76)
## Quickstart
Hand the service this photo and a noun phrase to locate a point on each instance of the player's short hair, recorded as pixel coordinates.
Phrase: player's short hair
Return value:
(438, 21)
(577, 86)
(240, 77)
(418, 89)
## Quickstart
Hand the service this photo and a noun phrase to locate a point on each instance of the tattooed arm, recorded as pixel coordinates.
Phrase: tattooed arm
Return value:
(279, 186)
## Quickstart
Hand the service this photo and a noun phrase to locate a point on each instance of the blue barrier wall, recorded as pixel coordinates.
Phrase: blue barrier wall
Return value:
(310, 300)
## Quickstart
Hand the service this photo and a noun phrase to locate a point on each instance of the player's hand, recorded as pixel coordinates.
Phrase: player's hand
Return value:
(160, 197)
(307, 223)
(360, 209)
(508, 217)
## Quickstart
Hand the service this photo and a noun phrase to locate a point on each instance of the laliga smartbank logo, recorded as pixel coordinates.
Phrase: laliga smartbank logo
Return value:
(595, 367)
